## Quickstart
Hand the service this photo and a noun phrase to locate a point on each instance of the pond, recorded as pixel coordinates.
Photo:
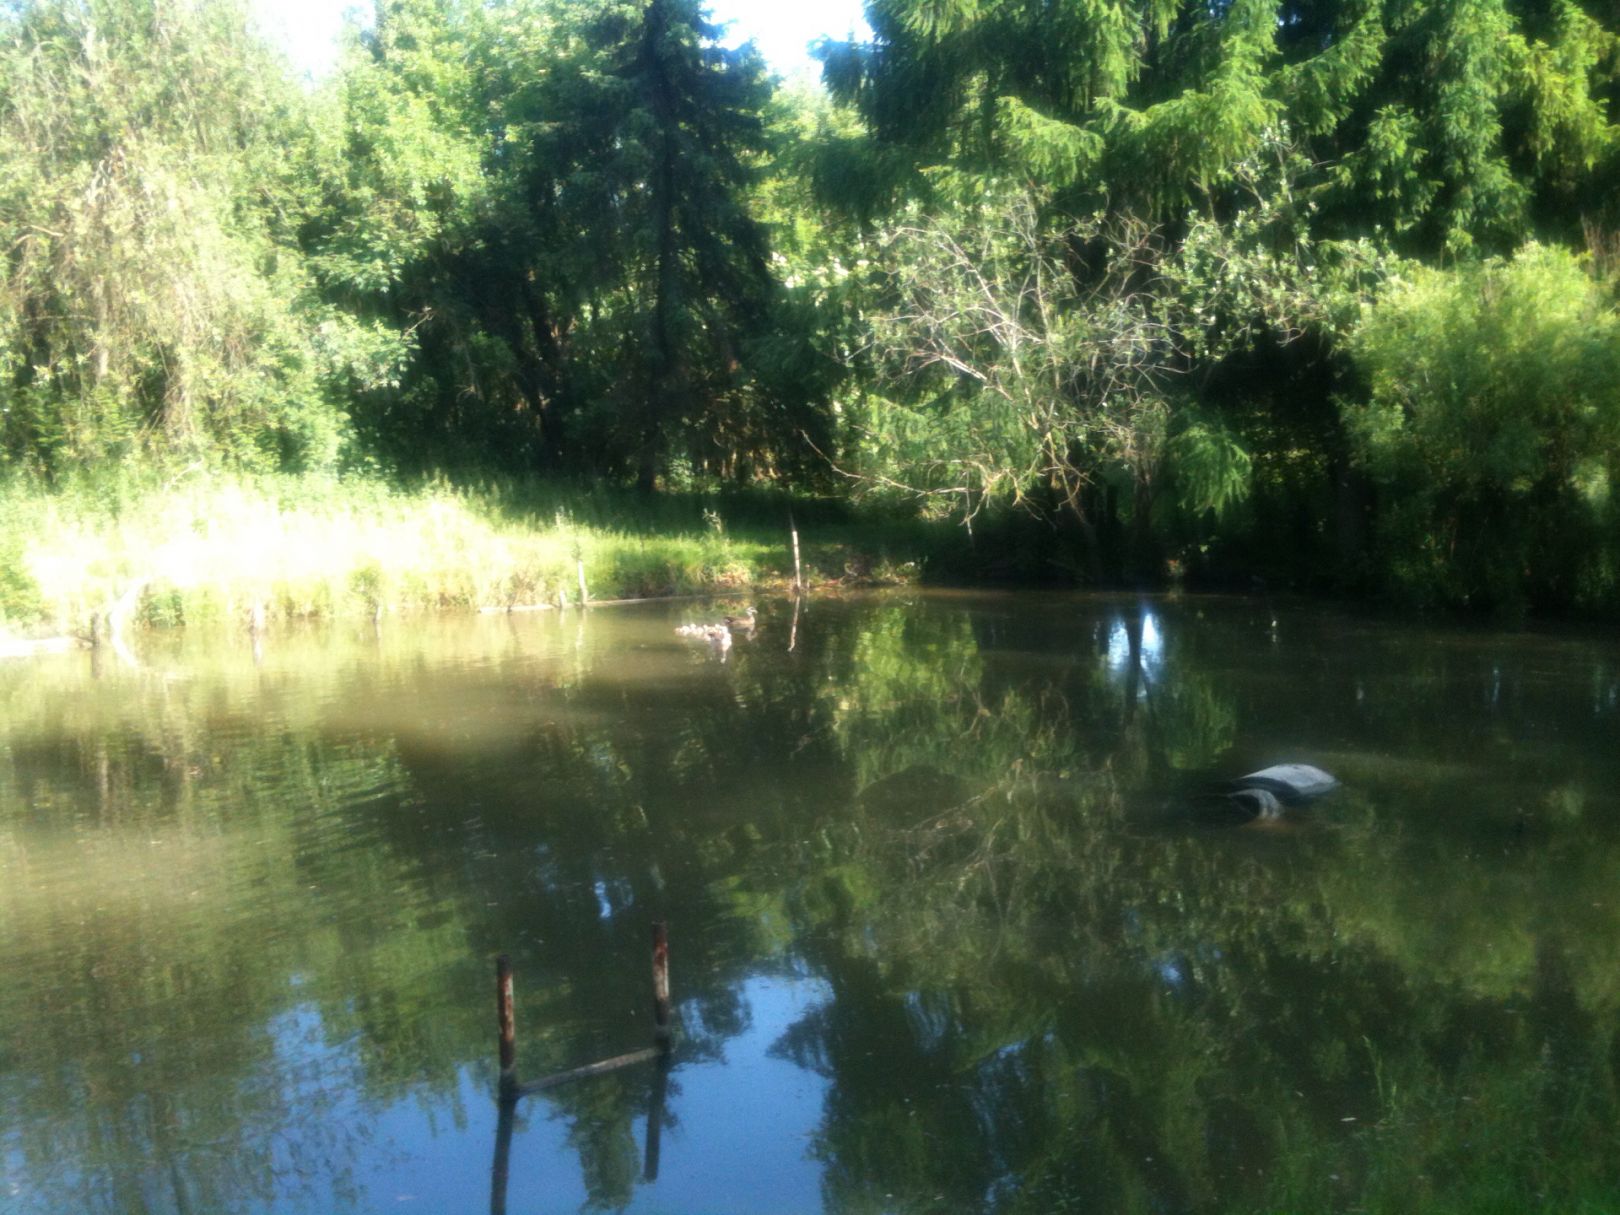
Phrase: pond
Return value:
(946, 933)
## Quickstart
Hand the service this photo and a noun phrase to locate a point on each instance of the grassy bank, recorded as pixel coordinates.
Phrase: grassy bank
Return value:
(205, 547)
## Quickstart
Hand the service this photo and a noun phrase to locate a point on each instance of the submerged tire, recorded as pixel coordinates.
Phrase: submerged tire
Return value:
(1290, 782)
(1262, 802)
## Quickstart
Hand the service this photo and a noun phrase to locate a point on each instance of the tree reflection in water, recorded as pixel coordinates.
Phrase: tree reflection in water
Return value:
(247, 913)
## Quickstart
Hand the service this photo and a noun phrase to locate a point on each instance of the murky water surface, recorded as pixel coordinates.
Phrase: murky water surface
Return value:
(945, 933)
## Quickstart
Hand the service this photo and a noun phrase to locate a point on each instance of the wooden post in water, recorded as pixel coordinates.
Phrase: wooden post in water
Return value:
(660, 963)
(661, 1040)
(507, 1021)
(798, 576)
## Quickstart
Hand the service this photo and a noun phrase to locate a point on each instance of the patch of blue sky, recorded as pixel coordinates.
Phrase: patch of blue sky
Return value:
(309, 31)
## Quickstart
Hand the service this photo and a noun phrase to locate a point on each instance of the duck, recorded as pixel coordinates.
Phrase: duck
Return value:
(745, 623)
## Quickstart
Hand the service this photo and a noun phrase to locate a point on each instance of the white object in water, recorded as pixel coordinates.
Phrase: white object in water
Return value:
(1290, 781)
(717, 635)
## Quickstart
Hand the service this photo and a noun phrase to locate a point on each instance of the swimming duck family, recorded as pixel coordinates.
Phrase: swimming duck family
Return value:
(718, 636)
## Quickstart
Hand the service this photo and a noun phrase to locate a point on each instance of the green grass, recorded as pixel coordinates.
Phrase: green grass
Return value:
(209, 546)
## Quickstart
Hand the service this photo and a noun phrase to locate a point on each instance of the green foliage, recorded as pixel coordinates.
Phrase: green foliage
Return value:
(1032, 359)
(1284, 156)
(154, 299)
(1446, 124)
(414, 239)
(686, 361)
(20, 600)
(549, 205)
(1212, 469)
(500, 237)
(1028, 379)
(1493, 430)
(1099, 260)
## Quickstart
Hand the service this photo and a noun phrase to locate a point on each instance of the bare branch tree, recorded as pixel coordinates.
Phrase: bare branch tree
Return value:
(1019, 357)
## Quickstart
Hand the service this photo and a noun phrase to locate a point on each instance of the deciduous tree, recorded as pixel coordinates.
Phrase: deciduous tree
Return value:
(1493, 431)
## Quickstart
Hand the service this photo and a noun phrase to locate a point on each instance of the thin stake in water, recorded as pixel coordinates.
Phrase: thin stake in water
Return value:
(660, 964)
(506, 1019)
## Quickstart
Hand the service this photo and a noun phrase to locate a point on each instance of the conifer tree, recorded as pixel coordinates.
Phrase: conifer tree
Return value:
(1438, 123)
(642, 172)
(552, 199)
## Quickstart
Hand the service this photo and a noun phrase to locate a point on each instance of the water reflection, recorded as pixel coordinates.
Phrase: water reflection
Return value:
(1134, 641)
(946, 938)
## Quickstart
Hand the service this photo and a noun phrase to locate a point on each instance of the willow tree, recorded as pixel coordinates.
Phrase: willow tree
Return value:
(154, 298)
(1493, 432)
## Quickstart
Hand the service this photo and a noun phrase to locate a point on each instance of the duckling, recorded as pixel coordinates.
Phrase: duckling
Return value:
(720, 641)
(716, 636)
(702, 632)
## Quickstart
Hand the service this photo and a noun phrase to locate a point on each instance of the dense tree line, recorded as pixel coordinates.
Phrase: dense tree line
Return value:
(1278, 250)
(1315, 290)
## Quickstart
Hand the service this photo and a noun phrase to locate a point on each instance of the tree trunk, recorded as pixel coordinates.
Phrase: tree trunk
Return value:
(1351, 507)
(1088, 538)
(660, 402)
(1143, 559)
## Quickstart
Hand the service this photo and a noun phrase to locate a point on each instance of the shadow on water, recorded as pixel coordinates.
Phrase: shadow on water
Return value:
(951, 937)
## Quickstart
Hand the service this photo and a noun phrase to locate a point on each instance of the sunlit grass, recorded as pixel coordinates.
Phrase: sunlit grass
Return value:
(205, 548)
